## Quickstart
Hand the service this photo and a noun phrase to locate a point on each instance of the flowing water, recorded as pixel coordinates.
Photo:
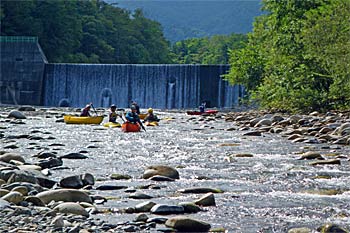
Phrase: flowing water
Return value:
(158, 85)
(269, 192)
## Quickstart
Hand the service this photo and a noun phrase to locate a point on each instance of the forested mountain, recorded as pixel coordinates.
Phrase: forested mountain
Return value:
(183, 19)
(86, 31)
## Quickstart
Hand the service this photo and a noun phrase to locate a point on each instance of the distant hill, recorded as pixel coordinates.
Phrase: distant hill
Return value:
(183, 19)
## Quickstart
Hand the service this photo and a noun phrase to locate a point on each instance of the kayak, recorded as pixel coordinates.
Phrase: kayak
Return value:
(151, 123)
(69, 119)
(130, 127)
(207, 112)
(141, 115)
(112, 124)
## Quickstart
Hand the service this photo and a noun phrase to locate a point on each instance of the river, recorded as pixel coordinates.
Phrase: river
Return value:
(272, 191)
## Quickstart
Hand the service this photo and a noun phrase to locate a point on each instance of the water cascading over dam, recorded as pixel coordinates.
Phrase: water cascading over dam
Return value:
(162, 86)
(27, 78)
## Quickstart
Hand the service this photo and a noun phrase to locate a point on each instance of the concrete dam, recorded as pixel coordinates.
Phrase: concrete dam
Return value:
(28, 79)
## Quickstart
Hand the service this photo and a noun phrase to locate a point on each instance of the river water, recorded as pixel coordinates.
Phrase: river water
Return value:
(272, 191)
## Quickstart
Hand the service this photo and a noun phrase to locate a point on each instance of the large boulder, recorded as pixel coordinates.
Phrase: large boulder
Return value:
(71, 208)
(65, 195)
(7, 157)
(161, 170)
(182, 223)
(16, 114)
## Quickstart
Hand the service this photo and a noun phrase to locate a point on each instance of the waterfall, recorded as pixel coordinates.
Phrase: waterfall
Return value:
(163, 86)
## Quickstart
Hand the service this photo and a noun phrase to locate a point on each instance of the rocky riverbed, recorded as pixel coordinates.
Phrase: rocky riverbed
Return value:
(233, 172)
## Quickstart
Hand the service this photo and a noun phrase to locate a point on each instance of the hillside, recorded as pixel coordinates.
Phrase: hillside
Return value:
(197, 18)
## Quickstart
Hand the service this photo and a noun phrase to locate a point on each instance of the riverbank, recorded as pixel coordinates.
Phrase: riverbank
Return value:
(240, 172)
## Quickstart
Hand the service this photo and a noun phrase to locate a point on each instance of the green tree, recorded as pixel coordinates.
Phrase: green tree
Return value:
(281, 66)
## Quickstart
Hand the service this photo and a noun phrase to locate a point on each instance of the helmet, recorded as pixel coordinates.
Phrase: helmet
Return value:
(133, 107)
(113, 106)
(88, 106)
(150, 110)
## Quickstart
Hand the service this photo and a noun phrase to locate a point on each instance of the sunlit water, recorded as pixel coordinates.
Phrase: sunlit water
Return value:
(269, 192)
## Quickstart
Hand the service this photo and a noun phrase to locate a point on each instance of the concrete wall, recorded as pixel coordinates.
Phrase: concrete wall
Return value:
(21, 71)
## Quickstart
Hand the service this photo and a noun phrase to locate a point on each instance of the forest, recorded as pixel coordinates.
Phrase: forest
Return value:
(297, 57)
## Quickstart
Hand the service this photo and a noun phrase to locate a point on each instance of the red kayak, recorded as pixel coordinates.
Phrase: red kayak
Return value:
(207, 112)
(130, 127)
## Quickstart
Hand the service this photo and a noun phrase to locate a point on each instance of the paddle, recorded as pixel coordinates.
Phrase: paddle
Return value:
(143, 127)
(94, 109)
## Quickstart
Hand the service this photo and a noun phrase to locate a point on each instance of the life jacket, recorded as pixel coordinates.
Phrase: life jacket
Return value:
(85, 112)
(113, 116)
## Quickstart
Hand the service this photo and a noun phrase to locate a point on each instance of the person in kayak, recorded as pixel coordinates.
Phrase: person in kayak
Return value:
(133, 103)
(202, 107)
(112, 114)
(132, 116)
(150, 116)
(86, 111)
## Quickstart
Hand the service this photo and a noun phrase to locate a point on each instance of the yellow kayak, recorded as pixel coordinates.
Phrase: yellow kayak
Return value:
(112, 124)
(141, 115)
(151, 123)
(68, 119)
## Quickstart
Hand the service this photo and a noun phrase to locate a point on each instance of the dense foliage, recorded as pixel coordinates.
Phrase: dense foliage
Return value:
(213, 50)
(86, 31)
(298, 56)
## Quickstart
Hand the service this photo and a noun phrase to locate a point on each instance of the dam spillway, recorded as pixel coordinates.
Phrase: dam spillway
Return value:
(27, 78)
(160, 86)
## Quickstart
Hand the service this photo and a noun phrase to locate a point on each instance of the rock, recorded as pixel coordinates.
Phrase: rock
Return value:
(71, 208)
(325, 162)
(311, 155)
(161, 170)
(161, 178)
(21, 189)
(50, 163)
(141, 218)
(87, 179)
(140, 196)
(243, 155)
(16, 114)
(190, 207)
(182, 223)
(45, 155)
(158, 220)
(58, 222)
(144, 206)
(65, 195)
(207, 200)
(263, 122)
(252, 133)
(276, 118)
(294, 119)
(3, 192)
(300, 230)
(120, 177)
(26, 108)
(13, 197)
(167, 209)
(74, 156)
(71, 182)
(7, 157)
(111, 187)
(331, 228)
(200, 190)
(35, 200)
(342, 130)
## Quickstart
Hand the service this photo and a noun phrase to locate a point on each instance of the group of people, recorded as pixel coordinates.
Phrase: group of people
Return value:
(131, 116)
